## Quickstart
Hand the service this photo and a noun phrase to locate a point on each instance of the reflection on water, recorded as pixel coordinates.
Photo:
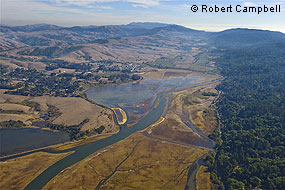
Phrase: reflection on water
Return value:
(138, 96)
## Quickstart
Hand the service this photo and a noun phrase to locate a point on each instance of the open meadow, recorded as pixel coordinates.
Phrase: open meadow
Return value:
(18, 172)
(136, 162)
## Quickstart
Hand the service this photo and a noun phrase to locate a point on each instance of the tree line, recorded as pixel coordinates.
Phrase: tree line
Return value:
(251, 152)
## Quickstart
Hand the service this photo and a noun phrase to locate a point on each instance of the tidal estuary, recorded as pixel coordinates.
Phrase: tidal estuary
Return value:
(154, 90)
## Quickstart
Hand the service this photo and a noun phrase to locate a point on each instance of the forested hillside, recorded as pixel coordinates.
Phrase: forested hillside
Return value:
(252, 110)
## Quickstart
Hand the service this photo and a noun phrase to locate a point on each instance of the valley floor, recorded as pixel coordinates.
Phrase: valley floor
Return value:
(159, 160)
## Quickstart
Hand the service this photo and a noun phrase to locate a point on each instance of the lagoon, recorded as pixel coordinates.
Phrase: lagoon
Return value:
(19, 140)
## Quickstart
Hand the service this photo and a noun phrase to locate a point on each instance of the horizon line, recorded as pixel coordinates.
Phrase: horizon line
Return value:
(193, 28)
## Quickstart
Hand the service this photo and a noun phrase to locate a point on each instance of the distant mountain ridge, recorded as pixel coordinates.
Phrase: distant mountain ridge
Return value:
(242, 37)
(52, 35)
(31, 28)
(122, 29)
(40, 27)
(146, 25)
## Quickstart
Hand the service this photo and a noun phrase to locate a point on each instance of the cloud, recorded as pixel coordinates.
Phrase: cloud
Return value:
(146, 3)
(105, 12)
(249, 4)
(35, 12)
(86, 3)
(78, 2)
(139, 5)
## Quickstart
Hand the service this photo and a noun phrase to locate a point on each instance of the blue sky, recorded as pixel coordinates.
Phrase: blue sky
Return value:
(106, 12)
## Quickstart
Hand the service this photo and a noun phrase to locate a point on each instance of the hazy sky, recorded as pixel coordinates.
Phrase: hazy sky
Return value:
(106, 12)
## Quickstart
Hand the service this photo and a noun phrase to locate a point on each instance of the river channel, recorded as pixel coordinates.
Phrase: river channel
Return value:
(85, 150)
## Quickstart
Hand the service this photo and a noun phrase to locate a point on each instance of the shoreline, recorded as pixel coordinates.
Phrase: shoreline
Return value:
(50, 147)
(123, 113)
(146, 132)
(24, 153)
(20, 154)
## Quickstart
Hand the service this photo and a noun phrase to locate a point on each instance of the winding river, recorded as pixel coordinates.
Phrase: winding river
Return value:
(85, 150)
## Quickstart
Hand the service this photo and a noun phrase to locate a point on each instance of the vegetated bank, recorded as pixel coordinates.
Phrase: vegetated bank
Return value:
(250, 146)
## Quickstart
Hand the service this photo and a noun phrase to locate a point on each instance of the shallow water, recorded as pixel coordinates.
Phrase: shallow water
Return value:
(85, 150)
(19, 140)
(132, 96)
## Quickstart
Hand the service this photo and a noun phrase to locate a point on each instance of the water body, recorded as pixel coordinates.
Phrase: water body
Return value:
(131, 96)
(83, 151)
(20, 140)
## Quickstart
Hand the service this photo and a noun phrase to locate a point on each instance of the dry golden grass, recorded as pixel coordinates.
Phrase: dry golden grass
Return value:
(153, 73)
(165, 73)
(149, 129)
(205, 123)
(198, 120)
(11, 98)
(124, 116)
(137, 162)
(9, 63)
(16, 63)
(137, 49)
(17, 173)
(173, 128)
(203, 180)
(16, 117)
(75, 110)
(18, 107)
(12, 102)
(80, 142)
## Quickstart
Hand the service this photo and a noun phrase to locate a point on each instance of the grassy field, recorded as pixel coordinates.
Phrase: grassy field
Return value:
(203, 181)
(13, 108)
(172, 127)
(164, 73)
(79, 142)
(22, 117)
(68, 111)
(17, 107)
(202, 115)
(17, 173)
(149, 129)
(74, 110)
(11, 98)
(136, 162)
